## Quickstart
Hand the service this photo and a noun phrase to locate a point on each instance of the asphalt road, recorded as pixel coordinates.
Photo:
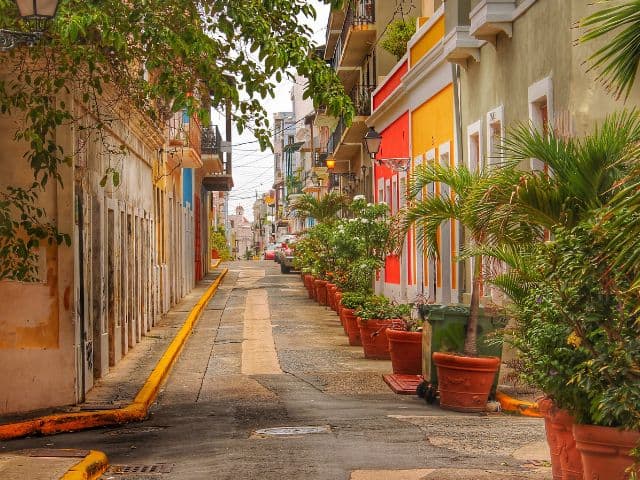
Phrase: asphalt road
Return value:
(263, 356)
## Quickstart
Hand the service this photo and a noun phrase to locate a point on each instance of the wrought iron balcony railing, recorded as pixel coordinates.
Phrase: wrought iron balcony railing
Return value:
(361, 98)
(211, 140)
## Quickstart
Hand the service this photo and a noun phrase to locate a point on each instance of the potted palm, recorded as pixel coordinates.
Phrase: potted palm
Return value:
(473, 191)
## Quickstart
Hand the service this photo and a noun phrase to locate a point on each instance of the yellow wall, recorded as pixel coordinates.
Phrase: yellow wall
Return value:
(432, 123)
(426, 43)
(431, 126)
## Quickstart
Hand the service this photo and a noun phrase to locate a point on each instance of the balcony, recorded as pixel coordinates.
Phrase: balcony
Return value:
(220, 181)
(357, 35)
(334, 28)
(490, 18)
(210, 149)
(459, 46)
(185, 140)
(347, 142)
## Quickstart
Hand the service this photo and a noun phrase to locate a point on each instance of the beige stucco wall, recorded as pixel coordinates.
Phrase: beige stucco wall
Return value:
(541, 46)
(36, 319)
(42, 355)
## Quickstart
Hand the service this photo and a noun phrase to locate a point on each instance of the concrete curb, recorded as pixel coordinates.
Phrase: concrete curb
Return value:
(89, 468)
(136, 411)
(513, 405)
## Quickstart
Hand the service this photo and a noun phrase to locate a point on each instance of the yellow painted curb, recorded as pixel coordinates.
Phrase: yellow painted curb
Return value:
(136, 411)
(509, 404)
(90, 468)
(215, 263)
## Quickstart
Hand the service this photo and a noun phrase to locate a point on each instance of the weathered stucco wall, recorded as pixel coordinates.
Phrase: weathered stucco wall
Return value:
(542, 47)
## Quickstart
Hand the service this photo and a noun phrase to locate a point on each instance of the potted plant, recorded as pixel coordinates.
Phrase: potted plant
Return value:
(428, 214)
(374, 317)
(397, 35)
(574, 297)
(351, 301)
(405, 347)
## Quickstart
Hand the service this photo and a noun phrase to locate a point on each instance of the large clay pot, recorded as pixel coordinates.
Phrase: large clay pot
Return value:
(338, 301)
(405, 349)
(605, 451)
(321, 291)
(465, 382)
(545, 405)
(373, 333)
(566, 463)
(351, 326)
(311, 286)
(331, 292)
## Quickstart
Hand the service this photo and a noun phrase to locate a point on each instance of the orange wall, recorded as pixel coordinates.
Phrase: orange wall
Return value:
(427, 41)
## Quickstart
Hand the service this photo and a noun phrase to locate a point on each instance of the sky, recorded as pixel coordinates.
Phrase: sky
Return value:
(252, 168)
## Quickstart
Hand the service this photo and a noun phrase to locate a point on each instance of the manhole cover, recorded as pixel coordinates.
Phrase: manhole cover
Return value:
(285, 431)
(154, 469)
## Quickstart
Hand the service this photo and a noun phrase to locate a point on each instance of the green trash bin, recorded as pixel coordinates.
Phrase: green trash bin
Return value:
(446, 331)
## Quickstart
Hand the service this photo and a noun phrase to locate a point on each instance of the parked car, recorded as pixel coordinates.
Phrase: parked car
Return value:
(286, 257)
(270, 252)
(281, 245)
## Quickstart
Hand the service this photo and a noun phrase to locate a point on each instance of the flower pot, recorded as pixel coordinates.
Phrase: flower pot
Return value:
(373, 334)
(465, 382)
(331, 292)
(321, 291)
(605, 451)
(405, 349)
(351, 326)
(338, 302)
(308, 282)
(566, 463)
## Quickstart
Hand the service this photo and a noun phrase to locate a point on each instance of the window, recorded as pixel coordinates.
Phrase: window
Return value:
(474, 146)
(394, 195)
(495, 135)
(541, 111)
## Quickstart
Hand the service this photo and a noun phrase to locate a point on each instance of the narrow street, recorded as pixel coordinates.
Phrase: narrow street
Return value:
(263, 355)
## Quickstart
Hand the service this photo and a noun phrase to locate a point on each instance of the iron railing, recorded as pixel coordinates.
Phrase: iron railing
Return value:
(361, 98)
(211, 140)
(359, 12)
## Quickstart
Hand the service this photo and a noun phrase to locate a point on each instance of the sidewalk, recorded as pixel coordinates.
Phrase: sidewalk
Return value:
(144, 368)
(52, 464)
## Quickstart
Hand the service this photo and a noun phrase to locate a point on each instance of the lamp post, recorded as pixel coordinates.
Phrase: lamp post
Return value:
(372, 140)
(35, 12)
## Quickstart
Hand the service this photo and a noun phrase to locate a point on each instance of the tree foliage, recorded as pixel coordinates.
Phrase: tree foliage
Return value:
(157, 57)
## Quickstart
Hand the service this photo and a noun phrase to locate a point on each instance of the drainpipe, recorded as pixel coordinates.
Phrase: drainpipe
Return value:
(455, 70)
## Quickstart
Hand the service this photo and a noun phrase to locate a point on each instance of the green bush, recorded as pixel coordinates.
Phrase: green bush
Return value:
(381, 308)
(398, 34)
(218, 242)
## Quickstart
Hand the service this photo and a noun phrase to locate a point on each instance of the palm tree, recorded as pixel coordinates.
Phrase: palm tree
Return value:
(323, 210)
(619, 59)
(471, 193)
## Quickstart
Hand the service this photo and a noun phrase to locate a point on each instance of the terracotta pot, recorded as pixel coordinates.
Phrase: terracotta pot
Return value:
(545, 405)
(465, 382)
(331, 292)
(605, 451)
(351, 326)
(566, 463)
(338, 302)
(308, 280)
(375, 342)
(406, 351)
(321, 291)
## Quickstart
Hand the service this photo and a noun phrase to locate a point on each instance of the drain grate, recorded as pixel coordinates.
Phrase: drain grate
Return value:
(153, 469)
(286, 431)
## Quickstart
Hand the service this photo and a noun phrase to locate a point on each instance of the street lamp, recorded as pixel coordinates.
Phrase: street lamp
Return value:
(372, 140)
(37, 13)
(331, 163)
